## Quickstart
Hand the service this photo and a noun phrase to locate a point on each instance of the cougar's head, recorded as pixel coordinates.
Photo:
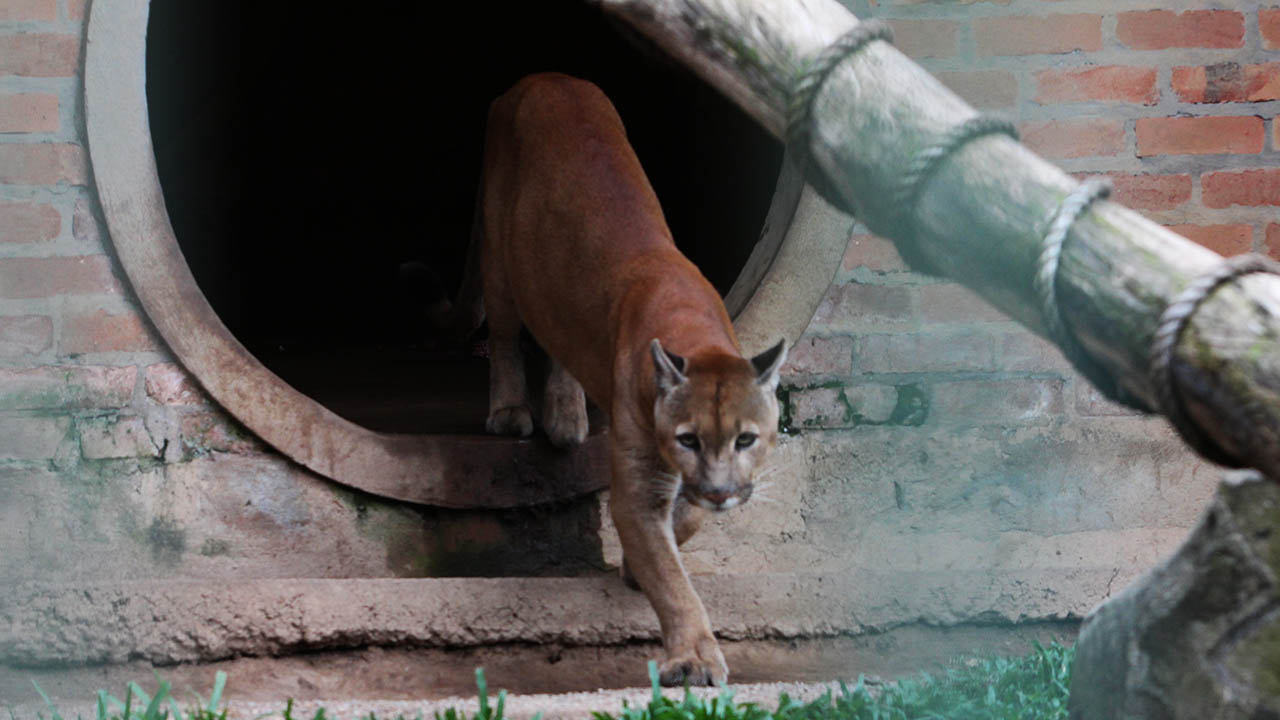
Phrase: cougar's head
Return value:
(716, 419)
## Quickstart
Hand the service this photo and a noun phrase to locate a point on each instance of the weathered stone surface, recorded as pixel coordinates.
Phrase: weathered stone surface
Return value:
(1199, 636)
(68, 387)
(118, 512)
(31, 437)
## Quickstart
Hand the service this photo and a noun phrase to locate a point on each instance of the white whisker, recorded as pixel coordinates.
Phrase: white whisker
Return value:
(767, 472)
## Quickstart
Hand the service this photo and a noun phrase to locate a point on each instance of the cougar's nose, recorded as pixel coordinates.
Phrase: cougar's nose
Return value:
(717, 496)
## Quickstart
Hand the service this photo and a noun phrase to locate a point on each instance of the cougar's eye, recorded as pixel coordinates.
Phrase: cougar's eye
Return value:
(744, 441)
(688, 440)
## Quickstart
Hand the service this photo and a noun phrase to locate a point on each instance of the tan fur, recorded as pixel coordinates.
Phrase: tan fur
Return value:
(575, 248)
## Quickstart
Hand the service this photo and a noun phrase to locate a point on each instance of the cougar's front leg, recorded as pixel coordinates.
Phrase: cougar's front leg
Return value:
(641, 504)
(686, 520)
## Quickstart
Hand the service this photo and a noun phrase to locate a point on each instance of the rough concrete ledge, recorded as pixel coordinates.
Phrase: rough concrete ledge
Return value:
(167, 622)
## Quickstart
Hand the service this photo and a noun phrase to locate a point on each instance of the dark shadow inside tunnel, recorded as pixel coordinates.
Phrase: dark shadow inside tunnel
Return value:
(308, 152)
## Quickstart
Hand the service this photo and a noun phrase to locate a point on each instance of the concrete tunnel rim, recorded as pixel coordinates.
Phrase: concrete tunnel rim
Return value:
(775, 295)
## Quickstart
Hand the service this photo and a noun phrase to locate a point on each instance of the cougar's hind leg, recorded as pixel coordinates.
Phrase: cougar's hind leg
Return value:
(509, 412)
(564, 408)
(508, 396)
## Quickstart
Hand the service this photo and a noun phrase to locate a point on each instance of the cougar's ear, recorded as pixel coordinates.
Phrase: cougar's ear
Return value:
(669, 367)
(768, 363)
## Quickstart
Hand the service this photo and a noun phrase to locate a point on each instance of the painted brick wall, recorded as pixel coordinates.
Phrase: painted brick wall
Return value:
(934, 437)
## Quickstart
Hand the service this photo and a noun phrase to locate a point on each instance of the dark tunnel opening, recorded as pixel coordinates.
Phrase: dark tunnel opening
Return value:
(307, 152)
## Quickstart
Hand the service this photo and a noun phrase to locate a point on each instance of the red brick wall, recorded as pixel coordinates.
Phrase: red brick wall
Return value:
(92, 408)
(72, 342)
(1177, 105)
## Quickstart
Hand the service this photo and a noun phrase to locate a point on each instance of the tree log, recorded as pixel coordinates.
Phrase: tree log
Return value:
(982, 215)
(1199, 635)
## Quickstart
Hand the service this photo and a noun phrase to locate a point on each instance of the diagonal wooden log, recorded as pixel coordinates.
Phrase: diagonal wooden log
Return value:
(981, 216)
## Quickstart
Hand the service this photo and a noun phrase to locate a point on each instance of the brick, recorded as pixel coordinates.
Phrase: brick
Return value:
(819, 356)
(1075, 138)
(29, 113)
(84, 224)
(923, 352)
(75, 9)
(42, 164)
(819, 408)
(28, 10)
(842, 407)
(1226, 240)
(1019, 401)
(101, 331)
(169, 384)
(28, 222)
(1246, 187)
(1227, 82)
(954, 303)
(1150, 192)
(31, 437)
(1015, 35)
(1269, 24)
(39, 54)
(1116, 83)
(126, 436)
(211, 431)
(858, 305)
(985, 89)
(1162, 29)
(925, 38)
(25, 336)
(55, 276)
(1199, 135)
(1024, 351)
(66, 387)
(873, 253)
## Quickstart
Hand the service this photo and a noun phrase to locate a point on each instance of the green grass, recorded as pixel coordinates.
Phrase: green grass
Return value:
(137, 705)
(1033, 687)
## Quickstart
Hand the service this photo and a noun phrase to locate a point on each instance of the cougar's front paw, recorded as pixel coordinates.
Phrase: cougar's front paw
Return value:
(510, 421)
(701, 665)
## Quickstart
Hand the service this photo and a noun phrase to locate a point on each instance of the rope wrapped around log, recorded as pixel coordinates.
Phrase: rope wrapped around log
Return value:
(979, 219)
